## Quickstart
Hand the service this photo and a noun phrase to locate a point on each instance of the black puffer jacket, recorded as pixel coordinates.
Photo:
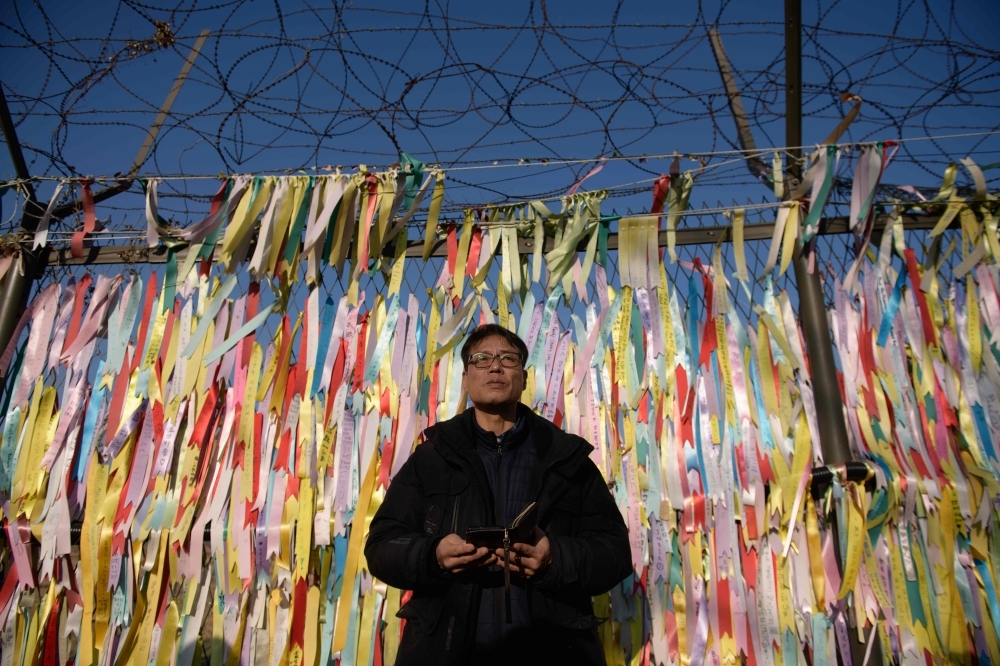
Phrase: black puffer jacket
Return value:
(443, 489)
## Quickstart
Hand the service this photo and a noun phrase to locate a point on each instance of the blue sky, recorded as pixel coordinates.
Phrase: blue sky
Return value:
(286, 87)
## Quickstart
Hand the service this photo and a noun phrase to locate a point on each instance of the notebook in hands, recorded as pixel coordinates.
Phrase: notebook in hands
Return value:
(519, 531)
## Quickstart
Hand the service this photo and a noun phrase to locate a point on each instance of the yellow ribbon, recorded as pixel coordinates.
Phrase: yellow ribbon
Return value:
(432, 214)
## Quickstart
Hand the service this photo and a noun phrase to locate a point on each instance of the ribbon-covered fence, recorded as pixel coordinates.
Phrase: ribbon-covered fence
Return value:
(191, 456)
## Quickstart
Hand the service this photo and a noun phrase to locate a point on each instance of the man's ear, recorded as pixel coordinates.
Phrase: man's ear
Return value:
(465, 389)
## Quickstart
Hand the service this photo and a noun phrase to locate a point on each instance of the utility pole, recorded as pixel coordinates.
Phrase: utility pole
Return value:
(812, 309)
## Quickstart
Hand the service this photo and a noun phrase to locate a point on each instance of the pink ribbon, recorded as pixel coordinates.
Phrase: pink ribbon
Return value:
(597, 169)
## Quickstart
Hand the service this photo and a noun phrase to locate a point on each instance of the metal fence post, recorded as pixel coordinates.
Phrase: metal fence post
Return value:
(17, 285)
(826, 388)
(812, 309)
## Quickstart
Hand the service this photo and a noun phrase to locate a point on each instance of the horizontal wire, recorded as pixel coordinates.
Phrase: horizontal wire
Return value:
(745, 155)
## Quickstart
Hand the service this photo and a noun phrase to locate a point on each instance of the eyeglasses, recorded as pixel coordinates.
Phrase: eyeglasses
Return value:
(484, 360)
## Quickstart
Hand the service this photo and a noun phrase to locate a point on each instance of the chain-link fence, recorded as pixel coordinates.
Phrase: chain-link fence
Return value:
(835, 253)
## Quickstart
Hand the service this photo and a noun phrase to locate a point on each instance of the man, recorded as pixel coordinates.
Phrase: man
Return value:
(482, 468)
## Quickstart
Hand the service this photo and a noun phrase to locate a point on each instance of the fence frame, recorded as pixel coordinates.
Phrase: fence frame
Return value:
(126, 254)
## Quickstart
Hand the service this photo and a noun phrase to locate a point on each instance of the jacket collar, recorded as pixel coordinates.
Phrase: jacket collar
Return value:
(556, 451)
(456, 443)
(553, 445)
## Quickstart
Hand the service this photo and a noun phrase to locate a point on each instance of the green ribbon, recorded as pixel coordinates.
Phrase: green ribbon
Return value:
(295, 235)
(414, 170)
(816, 208)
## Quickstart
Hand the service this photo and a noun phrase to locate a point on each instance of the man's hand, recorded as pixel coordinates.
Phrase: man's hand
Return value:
(456, 555)
(526, 560)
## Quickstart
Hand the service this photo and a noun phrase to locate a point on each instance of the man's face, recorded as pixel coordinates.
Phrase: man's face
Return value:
(495, 385)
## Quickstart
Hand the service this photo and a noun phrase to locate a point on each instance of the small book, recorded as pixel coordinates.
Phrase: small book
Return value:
(519, 530)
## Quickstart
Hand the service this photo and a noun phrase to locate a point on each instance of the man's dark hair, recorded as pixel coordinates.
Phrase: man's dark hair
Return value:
(480, 333)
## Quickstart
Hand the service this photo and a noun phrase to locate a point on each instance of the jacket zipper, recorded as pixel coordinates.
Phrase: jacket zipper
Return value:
(498, 606)
(499, 507)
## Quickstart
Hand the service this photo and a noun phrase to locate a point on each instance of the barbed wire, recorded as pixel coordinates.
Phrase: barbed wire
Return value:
(280, 89)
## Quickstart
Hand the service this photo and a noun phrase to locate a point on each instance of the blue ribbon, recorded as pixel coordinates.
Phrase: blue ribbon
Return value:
(89, 425)
(598, 359)
(891, 309)
(991, 593)
(382, 346)
(329, 314)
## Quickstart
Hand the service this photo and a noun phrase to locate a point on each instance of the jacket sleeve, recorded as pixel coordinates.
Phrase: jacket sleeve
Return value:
(398, 552)
(598, 557)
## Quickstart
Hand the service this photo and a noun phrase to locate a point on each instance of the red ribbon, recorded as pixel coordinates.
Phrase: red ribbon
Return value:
(147, 311)
(359, 362)
(475, 247)
(74, 323)
(252, 307)
(9, 585)
(281, 461)
(51, 647)
(284, 444)
(452, 248)
(930, 337)
(203, 429)
(403, 600)
(250, 514)
(336, 376)
(299, 611)
(156, 413)
(660, 189)
(217, 200)
(365, 232)
(388, 452)
(432, 403)
(300, 383)
(725, 609)
(89, 219)
(710, 340)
